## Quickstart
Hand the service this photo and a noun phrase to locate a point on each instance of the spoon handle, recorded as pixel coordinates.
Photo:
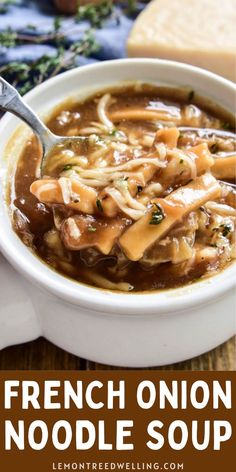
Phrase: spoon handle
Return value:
(10, 100)
(202, 132)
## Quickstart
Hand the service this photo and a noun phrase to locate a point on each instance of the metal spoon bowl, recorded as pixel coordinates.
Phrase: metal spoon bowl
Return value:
(10, 100)
(208, 132)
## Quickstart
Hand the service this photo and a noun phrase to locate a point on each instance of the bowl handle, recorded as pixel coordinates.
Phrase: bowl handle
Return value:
(18, 321)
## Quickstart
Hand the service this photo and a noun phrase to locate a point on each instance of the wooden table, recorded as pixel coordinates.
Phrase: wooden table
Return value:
(42, 355)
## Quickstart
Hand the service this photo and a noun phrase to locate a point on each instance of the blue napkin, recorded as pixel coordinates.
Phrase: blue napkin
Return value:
(23, 14)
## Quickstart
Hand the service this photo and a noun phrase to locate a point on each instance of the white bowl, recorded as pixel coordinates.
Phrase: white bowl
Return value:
(136, 330)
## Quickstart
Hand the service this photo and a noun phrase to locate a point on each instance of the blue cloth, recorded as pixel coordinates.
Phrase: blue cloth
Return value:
(111, 37)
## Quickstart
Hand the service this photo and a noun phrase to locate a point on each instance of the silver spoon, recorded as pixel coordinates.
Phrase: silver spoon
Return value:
(207, 132)
(10, 100)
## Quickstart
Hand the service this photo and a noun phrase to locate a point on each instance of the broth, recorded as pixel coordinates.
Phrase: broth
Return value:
(139, 205)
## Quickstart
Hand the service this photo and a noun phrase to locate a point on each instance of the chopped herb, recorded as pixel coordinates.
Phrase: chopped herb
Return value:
(67, 167)
(181, 161)
(157, 215)
(191, 95)
(214, 148)
(91, 229)
(113, 132)
(94, 139)
(99, 205)
(226, 229)
(100, 140)
(139, 188)
(226, 125)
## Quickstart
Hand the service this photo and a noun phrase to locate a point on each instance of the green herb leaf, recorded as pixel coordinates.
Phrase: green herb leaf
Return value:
(191, 95)
(91, 229)
(214, 148)
(95, 14)
(157, 215)
(99, 205)
(57, 23)
(26, 76)
(226, 125)
(8, 38)
(226, 229)
(113, 132)
(67, 167)
(4, 4)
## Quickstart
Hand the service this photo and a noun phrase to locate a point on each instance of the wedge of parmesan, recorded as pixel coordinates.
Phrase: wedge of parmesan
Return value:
(198, 32)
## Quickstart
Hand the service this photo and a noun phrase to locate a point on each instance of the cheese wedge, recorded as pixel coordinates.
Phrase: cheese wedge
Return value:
(198, 32)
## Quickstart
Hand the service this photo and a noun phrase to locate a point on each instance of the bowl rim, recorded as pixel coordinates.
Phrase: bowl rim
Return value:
(96, 299)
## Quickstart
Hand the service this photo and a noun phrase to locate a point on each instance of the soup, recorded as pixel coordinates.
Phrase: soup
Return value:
(145, 202)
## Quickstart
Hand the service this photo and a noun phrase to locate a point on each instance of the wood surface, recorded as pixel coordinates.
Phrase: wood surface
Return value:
(42, 355)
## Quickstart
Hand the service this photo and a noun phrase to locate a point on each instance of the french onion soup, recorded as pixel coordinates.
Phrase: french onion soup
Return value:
(146, 202)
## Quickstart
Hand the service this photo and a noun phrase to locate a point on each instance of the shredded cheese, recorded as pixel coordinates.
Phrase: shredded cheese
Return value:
(101, 110)
(73, 228)
(65, 185)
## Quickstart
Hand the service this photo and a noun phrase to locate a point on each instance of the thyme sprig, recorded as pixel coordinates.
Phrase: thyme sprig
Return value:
(95, 14)
(25, 76)
(8, 38)
(131, 6)
(4, 4)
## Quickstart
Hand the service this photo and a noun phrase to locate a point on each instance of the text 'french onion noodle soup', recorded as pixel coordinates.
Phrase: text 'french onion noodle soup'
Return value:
(144, 203)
